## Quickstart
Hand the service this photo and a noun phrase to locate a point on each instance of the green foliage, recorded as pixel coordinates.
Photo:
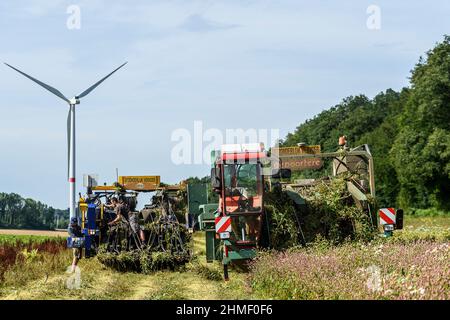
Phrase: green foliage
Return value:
(12, 238)
(330, 206)
(30, 256)
(363, 121)
(329, 213)
(145, 261)
(421, 150)
(408, 133)
(283, 226)
(165, 253)
(354, 117)
(430, 212)
(18, 212)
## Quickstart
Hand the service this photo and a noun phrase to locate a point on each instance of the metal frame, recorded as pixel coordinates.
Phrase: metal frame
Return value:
(343, 153)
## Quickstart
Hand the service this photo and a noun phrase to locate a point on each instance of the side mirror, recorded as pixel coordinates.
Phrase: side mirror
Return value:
(215, 179)
(399, 219)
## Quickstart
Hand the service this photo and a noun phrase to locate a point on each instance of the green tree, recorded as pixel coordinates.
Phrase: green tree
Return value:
(17, 212)
(421, 149)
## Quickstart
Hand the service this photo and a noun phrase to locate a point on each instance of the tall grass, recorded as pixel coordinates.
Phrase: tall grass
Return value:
(430, 212)
(413, 264)
(24, 260)
(389, 270)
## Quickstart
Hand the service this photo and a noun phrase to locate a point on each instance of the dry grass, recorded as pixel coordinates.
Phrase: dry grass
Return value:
(198, 280)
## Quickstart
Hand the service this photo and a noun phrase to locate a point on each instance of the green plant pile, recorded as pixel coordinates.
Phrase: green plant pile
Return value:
(281, 220)
(167, 247)
(145, 261)
(329, 212)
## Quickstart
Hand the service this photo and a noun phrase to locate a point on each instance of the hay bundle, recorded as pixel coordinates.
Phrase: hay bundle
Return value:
(145, 261)
(167, 246)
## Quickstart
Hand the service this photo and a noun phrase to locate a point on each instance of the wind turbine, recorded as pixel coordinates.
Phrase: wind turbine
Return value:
(70, 128)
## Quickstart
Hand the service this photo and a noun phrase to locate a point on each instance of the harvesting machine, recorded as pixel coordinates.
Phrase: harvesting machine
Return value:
(166, 207)
(242, 175)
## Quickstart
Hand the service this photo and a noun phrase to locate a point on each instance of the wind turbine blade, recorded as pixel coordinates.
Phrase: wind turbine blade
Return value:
(46, 86)
(88, 90)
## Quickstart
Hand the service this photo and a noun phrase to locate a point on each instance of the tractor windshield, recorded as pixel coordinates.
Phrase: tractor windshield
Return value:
(241, 179)
(244, 199)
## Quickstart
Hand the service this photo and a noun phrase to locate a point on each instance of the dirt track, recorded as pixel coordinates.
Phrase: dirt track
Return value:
(22, 232)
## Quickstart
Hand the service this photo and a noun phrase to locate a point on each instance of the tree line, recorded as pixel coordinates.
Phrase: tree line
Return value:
(18, 212)
(408, 132)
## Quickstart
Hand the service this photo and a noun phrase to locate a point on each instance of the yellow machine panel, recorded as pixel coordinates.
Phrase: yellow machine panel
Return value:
(292, 151)
(291, 157)
(140, 182)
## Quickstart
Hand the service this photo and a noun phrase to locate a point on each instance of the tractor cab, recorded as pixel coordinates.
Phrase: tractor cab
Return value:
(237, 177)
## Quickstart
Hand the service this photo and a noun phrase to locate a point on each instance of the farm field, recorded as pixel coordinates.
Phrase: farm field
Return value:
(197, 281)
(411, 265)
(22, 232)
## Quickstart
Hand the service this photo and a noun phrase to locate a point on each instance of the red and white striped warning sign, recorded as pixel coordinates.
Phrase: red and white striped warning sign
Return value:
(223, 224)
(387, 216)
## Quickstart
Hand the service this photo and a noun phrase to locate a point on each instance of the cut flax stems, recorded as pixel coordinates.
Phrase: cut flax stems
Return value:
(329, 212)
(167, 247)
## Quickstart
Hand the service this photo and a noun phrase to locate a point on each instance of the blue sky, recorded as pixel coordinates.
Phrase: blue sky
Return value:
(231, 64)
